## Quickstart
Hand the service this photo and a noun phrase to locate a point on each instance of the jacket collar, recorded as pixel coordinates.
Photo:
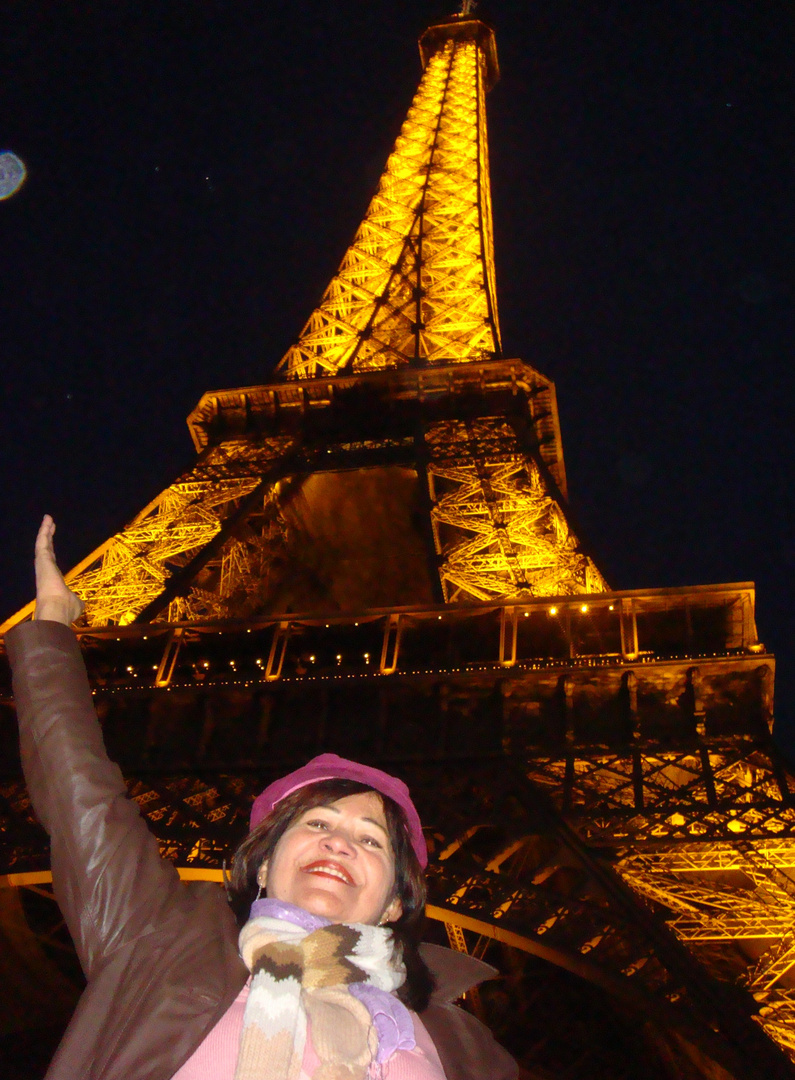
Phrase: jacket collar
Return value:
(454, 972)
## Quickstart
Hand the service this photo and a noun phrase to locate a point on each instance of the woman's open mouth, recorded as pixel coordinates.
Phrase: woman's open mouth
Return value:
(325, 868)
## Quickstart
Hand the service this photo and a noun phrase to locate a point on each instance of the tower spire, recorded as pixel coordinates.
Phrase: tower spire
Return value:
(417, 285)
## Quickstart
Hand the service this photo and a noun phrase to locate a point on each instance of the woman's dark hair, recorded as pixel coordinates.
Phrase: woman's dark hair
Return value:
(259, 845)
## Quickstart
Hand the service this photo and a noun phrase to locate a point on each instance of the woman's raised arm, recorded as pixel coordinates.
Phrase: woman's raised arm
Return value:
(109, 879)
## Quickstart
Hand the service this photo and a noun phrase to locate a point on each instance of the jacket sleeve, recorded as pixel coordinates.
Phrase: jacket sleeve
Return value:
(109, 879)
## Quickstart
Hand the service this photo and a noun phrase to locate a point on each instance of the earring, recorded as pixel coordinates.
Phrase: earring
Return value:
(262, 877)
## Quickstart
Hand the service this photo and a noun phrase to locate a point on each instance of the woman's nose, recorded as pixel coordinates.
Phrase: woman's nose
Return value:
(338, 841)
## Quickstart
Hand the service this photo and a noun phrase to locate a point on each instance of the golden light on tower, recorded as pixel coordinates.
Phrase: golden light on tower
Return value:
(415, 292)
(417, 285)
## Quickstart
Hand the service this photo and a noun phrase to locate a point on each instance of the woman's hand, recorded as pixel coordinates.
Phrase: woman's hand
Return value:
(55, 601)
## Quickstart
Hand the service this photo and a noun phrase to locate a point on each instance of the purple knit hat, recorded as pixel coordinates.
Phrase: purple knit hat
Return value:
(333, 767)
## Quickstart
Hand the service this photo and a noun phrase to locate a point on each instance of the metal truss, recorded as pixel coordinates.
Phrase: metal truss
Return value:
(498, 529)
(417, 284)
(752, 908)
(728, 895)
(508, 868)
(185, 532)
(648, 795)
(207, 547)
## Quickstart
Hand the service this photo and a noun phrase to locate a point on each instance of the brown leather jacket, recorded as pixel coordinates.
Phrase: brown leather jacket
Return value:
(160, 956)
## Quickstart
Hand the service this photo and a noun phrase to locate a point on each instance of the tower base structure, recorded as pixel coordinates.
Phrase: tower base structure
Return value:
(608, 818)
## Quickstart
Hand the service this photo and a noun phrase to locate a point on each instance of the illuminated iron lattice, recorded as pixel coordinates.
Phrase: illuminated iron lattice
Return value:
(417, 284)
(704, 838)
(130, 570)
(415, 288)
(496, 526)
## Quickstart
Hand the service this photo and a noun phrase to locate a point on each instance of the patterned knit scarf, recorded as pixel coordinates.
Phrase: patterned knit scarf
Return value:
(338, 976)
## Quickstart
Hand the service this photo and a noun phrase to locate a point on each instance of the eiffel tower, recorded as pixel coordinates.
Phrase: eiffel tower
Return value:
(374, 554)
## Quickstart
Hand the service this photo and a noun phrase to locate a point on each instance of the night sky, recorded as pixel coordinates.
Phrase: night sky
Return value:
(196, 170)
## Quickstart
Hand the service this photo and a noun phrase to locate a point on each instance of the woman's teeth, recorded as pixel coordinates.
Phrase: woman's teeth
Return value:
(331, 871)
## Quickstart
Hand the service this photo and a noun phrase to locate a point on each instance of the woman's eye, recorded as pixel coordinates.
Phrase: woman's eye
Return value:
(317, 823)
(371, 841)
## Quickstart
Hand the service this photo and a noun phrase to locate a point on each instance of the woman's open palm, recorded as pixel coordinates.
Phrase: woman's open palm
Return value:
(55, 601)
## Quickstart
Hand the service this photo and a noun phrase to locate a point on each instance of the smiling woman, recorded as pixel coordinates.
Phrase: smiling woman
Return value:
(321, 978)
(333, 947)
(343, 841)
(339, 851)
(336, 860)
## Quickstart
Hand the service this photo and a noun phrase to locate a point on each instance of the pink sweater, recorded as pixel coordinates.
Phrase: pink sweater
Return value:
(216, 1057)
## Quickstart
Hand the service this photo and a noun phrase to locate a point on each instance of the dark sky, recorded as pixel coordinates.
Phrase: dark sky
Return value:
(197, 169)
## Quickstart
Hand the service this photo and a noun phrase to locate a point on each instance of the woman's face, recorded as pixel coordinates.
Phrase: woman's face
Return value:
(337, 861)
